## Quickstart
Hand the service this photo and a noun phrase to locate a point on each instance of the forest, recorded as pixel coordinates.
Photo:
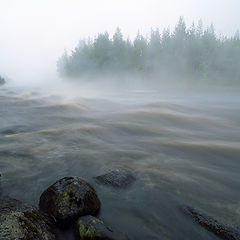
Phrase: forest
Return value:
(195, 54)
(2, 80)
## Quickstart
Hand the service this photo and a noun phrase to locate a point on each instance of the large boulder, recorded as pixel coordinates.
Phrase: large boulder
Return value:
(89, 227)
(118, 178)
(212, 225)
(68, 199)
(20, 221)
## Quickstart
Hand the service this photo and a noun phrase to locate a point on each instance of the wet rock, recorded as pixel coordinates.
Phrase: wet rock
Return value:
(68, 199)
(212, 225)
(119, 178)
(22, 221)
(89, 227)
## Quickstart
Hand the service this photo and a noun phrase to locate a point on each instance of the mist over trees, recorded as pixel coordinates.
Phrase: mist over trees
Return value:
(2, 80)
(195, 54)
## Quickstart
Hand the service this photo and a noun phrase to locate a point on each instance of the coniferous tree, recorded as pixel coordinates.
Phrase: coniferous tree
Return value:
(186, 53)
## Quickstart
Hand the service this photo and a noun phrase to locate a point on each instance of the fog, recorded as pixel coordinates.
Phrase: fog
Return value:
(34, 34)
(94, 87)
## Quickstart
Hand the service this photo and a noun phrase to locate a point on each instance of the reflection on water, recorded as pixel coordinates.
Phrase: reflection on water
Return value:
(183, 150)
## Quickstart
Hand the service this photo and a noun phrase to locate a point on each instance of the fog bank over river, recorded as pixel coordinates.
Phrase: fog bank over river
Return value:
(183, 147)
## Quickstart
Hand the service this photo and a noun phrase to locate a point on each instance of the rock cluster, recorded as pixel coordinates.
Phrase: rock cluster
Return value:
(70, 201)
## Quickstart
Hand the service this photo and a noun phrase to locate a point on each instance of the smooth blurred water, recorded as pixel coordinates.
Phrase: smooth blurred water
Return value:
(183, 150)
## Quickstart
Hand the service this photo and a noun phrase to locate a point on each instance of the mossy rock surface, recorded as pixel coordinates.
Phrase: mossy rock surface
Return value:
(92, 228)
(117, 178)
(19, 221)
(68, 199)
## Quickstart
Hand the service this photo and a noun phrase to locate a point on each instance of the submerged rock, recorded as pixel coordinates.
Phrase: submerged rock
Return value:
(119, 178)
(68, 199)
(212, 225)
(90, 227)
(22, 221)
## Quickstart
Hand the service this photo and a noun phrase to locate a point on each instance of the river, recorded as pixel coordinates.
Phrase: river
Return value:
(184, 150)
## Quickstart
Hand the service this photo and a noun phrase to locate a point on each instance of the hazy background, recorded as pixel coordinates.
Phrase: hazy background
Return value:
(33, 34)
(182, 146)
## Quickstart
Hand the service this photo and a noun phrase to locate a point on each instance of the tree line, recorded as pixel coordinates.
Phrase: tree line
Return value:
(2, 80)
(195, 53)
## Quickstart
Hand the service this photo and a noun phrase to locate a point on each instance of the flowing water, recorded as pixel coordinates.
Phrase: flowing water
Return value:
(183, 150)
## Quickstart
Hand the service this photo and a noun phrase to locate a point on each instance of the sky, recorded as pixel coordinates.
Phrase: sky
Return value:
(34, 33)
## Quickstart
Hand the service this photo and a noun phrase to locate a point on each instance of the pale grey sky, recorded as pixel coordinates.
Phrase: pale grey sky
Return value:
(34, 33)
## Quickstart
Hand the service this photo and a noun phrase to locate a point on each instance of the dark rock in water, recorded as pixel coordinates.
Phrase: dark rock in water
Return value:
(89, 227)
(22, 221)
(212, 225)
(68, 199)
(2, 81)
(119, 178)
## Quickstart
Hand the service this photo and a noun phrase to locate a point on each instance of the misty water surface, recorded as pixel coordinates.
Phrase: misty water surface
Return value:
(183, 149)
